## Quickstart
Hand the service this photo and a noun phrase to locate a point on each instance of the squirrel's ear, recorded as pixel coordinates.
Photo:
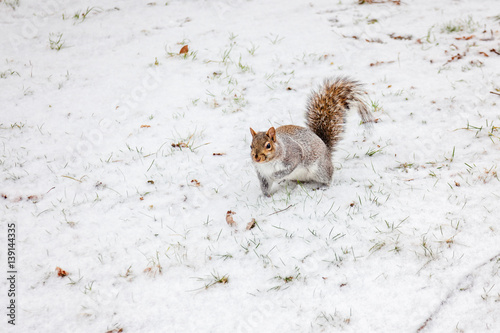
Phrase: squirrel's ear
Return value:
(253, 132)
(271, 133)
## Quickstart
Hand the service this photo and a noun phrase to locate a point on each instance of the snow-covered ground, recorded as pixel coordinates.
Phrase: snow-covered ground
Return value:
(120, 157)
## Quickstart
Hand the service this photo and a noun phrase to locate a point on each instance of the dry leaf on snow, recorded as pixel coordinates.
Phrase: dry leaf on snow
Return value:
(61, 272)
(229, 218)
(251, 224)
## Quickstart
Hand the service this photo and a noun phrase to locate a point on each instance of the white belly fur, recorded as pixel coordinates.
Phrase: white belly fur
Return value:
(267, 169)
(300, 173)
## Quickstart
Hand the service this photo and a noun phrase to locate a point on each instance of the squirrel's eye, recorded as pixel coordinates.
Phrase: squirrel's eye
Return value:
(268, 146)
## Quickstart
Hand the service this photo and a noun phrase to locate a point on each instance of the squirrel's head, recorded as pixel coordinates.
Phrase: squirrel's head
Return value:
(263, 145)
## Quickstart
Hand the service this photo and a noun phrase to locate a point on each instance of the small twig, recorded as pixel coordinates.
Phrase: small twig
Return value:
(279, 211)
(494, 92)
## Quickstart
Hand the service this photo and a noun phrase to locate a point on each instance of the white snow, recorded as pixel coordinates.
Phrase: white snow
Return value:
(405, 239)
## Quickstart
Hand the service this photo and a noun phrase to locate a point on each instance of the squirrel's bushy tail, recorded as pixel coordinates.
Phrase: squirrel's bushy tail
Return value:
(327, 108)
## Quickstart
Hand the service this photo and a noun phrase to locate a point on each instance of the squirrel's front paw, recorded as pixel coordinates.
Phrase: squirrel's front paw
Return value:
(266, 194)
(265, 186)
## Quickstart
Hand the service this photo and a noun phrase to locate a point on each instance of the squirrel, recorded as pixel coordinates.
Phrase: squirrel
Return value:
(297, 153)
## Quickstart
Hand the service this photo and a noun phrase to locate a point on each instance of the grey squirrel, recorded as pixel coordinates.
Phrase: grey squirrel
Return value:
(305, 154)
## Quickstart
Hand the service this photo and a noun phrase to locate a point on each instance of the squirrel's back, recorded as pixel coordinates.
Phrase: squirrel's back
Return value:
(300, 141)
(327, 108)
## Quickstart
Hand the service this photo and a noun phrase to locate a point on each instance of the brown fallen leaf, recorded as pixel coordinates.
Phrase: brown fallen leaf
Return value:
(396, 37)
(458, 56)
(251, 224)
(465, 37)
(374, 40)
(229, 218)
(396, 2)
(195, 182)
(180, 145)
(380, 63)
(115, 330)
(145, 126)
(184, 50)
(33, 198)
(61, 272)
(219, 154)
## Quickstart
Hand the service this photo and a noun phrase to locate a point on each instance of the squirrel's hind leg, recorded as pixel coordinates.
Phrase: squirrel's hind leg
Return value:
(323, 174)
